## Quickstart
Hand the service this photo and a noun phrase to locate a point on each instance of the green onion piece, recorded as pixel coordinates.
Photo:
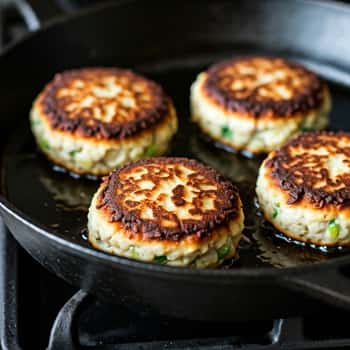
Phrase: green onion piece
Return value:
(151, 150)
(133, 251)
(161, 259)
(274, 213)
(35, 122)
(44, 144)
(73, 152)
(223, 251)
(226, 132)
(86, 164)
(306, 129)
(333, 229)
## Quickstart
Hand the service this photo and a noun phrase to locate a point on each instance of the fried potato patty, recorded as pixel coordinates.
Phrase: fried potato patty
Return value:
(304, 188)
(93, 120)
(256, 104)
(174, 211)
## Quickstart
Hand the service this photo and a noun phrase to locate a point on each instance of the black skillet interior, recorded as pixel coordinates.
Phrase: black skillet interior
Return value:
(59, 201)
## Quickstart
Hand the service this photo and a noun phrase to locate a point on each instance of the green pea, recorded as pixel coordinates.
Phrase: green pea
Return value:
(226, 132)
(161, 259)
(333, 229)
(223, 251)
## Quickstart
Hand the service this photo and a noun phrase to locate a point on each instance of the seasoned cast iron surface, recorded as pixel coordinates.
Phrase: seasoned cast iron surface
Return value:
(59, 201)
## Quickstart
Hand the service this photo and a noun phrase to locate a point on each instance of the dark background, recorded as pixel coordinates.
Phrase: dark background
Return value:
(54, 7)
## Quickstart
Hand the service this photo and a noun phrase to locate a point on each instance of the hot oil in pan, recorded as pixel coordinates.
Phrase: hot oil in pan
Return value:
(60, 202)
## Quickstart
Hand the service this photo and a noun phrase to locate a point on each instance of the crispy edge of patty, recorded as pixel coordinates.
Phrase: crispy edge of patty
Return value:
(189, 251)
(244, 132)
(226, 199)
(301, 100)
(313, 221)
(101, 150)
(61, 120)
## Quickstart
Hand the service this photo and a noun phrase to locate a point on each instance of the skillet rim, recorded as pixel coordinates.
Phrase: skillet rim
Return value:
(71, 245)
(63, 18)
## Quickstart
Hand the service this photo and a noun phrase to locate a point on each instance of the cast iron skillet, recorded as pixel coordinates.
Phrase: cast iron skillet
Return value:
(171, 41)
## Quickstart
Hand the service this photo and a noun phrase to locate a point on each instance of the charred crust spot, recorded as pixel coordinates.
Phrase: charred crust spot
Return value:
(315, 167)
(103, 102)
(176, 197)
(263, 86)
(178, 194)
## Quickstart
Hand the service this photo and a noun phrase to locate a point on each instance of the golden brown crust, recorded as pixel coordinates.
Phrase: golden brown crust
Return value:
(103, 102)
(197, 201)
(188, 239)
(307, 169)
(263, 87)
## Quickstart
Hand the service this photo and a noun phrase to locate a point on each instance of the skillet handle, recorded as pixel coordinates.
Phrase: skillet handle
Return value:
(33, 12)
(331, 286)
(27, 13)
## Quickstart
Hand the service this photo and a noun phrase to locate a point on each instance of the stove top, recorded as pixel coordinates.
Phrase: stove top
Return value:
(66, 318)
